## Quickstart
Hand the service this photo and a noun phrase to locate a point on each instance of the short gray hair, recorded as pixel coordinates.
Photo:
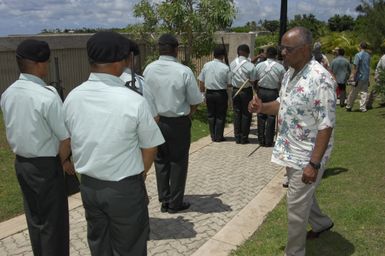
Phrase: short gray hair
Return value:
(306, 35)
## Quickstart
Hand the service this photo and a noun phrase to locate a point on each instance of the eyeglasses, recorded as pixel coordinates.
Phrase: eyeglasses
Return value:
(289, 49)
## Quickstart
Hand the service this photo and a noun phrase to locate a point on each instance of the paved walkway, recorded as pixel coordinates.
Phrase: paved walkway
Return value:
(231, 188)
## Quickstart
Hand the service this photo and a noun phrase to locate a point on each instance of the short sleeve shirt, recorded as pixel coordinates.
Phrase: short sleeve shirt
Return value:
(33, 117)
(215, 75)
(269, 74)
(307, 105)
(241, 70)
(109, 124)
(341, 69)
(362, 63)
(173, 85)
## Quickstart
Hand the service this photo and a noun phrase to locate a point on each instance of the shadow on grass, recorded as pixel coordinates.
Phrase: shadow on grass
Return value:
(333, 171)
(330, 243)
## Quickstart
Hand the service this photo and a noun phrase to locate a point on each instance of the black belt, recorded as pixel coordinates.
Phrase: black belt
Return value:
(174, 117)
(22, 158)
(90, 179)
(268, 89)
(219, 90)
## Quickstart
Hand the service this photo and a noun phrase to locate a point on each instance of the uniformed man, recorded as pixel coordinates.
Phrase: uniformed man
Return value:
(269, 77)
(138, 85)
(35, 129)
(214, 79)
(114, 139)
(243, 74)
(177, 97)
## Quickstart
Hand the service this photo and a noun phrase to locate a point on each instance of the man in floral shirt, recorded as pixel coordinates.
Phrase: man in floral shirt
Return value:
(306, 118)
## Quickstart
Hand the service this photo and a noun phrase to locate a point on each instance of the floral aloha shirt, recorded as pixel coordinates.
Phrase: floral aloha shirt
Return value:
(307, 105)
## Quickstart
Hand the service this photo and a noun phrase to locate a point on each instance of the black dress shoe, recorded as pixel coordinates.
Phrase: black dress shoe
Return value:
(164, 207)
(245, 141)
(184, 206)
(311, 235)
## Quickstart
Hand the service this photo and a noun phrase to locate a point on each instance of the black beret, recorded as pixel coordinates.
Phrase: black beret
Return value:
(32, 49)
(168, 39)
(107, 47)
(133, 47)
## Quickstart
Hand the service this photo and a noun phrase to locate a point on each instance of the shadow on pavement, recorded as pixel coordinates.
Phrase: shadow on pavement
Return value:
(171, 228)
(207, 203)
(334, 171)
(330, 243)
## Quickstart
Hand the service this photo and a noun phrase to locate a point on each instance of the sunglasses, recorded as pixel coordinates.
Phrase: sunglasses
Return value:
(288, 48)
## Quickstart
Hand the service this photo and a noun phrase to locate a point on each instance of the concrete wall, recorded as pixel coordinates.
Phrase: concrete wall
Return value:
(73, 63)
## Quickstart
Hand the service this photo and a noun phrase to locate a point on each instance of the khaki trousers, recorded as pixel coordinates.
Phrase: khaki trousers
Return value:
(302, 208)
(362, 88)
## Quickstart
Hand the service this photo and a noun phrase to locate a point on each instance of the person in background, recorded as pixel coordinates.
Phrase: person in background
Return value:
(135, 81)
(35, 130)
(269, 77)
(177, 98)
(341, 69)
(113, 139)
(360, 76)
(242, 74)
(306, 118)
(214, 80)
(373, 94)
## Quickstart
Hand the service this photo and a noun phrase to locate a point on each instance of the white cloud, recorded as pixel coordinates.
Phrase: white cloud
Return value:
(32, 16)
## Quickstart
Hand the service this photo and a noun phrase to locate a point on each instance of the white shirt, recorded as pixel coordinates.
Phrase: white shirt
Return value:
(109, 124)
(33, 117)
(307, 105)
(215, 75)
(173, 86)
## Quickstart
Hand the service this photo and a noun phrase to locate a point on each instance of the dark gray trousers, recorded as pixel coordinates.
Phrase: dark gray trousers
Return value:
(171, 162)
(266, 123)
(45, 204)
(117, 216)
(216, 101)
(242, 116)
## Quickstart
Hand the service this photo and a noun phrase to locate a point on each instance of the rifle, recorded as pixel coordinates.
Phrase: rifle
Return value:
(71, 181)
(226, 56)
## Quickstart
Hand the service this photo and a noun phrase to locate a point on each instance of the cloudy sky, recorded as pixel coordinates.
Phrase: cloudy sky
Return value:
(32, 16)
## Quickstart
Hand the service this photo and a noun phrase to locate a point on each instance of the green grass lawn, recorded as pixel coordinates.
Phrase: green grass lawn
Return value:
(352, 193)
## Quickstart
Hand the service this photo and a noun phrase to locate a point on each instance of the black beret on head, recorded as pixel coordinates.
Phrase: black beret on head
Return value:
(168, 39)
(33, 50)
(133, 47)
(107, 47)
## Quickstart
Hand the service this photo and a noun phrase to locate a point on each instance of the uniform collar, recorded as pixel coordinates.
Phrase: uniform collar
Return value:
(127, 70)
(32, 78)
(107, 79)
(217, 60)
(168, 57)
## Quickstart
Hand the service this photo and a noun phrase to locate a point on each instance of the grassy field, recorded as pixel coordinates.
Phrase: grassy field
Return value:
(352, 193)
(10, 195)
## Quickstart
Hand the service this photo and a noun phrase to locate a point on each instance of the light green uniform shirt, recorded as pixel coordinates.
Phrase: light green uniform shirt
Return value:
(173, 86)
(33, 117)
(270, 74)
(109, 124)
(215, 75)
(241, 70)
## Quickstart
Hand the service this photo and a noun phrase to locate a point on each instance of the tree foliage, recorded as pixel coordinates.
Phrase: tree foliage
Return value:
(310, 22)
(193, 21)
(270, 25)
(371, 22)
(341, 23)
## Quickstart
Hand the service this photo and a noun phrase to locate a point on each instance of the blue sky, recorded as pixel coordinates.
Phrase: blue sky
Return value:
(32, 16)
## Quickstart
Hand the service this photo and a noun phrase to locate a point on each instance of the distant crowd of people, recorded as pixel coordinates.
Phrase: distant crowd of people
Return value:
(114, 126)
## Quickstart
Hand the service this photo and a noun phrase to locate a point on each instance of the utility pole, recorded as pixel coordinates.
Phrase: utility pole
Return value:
(283, 19)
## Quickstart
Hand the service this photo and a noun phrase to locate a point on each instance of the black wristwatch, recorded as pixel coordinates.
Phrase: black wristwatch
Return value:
(315, 166)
